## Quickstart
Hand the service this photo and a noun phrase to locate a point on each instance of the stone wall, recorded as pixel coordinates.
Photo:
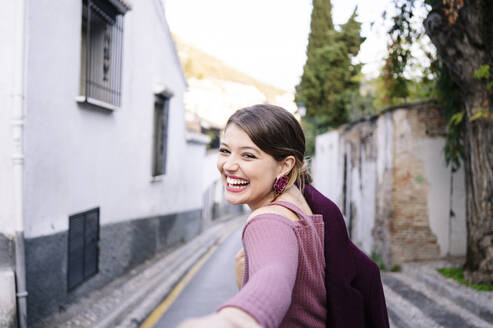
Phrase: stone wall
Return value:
(396, 192)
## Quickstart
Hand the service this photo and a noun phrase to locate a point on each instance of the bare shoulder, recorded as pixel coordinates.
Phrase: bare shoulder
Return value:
(274, 209)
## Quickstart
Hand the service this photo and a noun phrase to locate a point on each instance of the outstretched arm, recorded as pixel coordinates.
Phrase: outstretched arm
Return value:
(271, 252)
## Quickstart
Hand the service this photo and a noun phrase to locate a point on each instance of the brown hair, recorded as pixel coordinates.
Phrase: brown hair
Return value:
(277, 132)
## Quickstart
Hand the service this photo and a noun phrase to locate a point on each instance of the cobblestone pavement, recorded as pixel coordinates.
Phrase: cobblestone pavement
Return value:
(420, 296)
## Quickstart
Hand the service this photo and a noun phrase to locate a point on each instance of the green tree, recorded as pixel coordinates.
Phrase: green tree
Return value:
(330, 78)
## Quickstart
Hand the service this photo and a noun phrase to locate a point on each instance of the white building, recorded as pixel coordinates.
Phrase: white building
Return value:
(97, 171)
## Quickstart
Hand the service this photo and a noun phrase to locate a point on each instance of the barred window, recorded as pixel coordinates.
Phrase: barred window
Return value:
(101, 53)
(161, 113)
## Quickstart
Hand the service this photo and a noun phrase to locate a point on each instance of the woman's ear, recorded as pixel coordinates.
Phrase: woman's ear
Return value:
(287, 165)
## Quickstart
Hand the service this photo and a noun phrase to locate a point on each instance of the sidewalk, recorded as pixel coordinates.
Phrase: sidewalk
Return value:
(129, 299)
(419, 296)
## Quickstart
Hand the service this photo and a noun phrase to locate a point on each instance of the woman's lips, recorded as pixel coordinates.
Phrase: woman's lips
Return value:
(235, 189)
(236, 184)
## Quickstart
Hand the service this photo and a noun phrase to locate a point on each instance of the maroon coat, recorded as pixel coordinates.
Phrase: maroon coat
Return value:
(355, 296)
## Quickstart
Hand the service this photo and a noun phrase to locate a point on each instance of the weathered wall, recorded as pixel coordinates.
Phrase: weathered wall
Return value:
(360, 175)
(11, 78)
(7, 299)
(412, 238)
(327, 166)
(399, 198)
(383, 195)
(8, 77)
(458, 232)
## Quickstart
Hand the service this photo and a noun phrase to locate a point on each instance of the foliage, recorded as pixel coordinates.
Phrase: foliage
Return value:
(402, 35)
(452, 108)
(458, 275)
(330, 79)
(310, 132)
(435, 82)
(321, 26)
(360, 105)
(377, 258)
(483, 73)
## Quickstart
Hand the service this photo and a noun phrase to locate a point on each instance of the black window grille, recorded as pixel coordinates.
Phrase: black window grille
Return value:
(101, 53)
(161, 114)
(83, 249)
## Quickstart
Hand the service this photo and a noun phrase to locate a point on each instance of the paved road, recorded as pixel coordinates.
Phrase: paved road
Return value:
(213, 284)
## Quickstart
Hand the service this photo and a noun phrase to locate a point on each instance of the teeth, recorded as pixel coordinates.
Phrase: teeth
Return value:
(232, 181)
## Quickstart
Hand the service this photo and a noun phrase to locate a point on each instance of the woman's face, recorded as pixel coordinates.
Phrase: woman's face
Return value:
(247, 172)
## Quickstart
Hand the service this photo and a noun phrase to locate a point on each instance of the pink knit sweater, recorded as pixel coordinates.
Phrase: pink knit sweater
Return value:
(283, 284)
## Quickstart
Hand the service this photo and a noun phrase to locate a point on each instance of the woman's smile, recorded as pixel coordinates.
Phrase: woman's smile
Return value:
(236, 184)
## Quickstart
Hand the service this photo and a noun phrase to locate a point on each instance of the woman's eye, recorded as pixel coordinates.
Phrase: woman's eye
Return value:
(249, 156)
(223, 150)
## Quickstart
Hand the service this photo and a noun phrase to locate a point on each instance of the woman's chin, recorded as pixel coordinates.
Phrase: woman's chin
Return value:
(233, 199)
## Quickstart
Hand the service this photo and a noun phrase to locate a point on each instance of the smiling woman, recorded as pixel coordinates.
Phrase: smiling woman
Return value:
(296, 268)
(281, 268)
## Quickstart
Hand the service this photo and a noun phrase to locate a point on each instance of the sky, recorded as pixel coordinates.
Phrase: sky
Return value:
(267, 39)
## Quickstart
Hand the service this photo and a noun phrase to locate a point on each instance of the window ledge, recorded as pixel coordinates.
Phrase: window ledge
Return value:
(95, 102)
(198, 138)
(157, 178)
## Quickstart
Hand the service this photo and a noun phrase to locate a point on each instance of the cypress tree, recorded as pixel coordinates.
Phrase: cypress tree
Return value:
(321, 26)
(330, 79)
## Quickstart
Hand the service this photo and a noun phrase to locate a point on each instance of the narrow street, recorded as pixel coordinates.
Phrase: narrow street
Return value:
(213, 284)
(415, 297)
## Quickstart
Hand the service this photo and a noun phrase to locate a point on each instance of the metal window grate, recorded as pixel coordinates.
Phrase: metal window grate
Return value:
(101, 52)
(83, 249)
(161, 114)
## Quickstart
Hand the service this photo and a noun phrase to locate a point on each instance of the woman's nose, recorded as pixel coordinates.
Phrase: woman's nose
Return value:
(231, 164)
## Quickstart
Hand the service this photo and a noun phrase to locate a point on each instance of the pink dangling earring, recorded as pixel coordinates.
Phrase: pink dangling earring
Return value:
(280, 184)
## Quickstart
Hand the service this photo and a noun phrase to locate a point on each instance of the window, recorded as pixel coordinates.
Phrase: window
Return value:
(161, 113)
(101, 52)
(83, 251)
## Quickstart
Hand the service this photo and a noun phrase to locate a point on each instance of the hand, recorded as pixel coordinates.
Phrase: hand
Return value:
(209, 321)
(228, 317)
(239, 267)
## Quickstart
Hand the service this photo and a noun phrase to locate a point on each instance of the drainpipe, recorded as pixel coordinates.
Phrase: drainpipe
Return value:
(18, 107)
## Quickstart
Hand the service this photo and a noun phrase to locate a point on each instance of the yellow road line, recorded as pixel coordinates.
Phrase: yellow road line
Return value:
(158, 312)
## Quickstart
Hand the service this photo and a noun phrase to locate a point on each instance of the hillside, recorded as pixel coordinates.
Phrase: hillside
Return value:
(199, 64)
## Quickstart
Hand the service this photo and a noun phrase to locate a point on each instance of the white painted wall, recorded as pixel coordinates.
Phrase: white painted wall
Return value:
(327, 166)
(8, 39)
(458, 230)
(211, 173)
(7, 298)
(385, 145)
(80, 158)
(366, 213)
(430, 151)
(446, 192)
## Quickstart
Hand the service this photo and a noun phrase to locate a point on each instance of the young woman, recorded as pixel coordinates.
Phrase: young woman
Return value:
(298, 267)
(261, 161)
